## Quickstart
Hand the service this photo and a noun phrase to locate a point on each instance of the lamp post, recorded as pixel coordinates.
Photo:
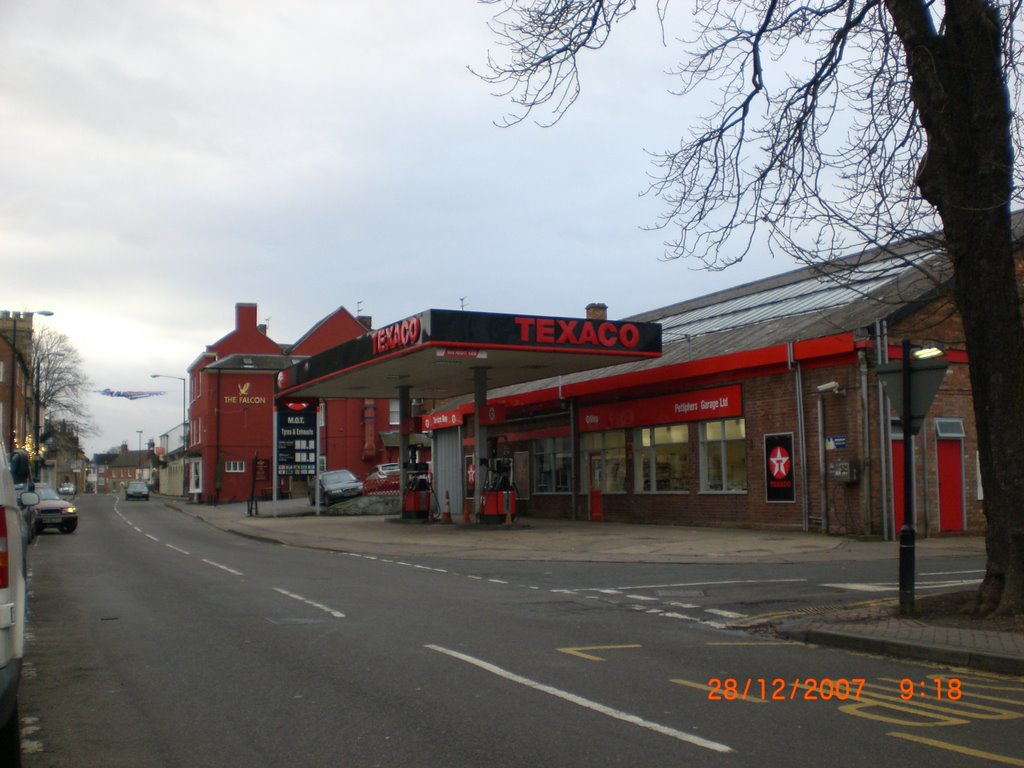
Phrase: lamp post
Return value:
(912, 384)
(138, 469)
(184, 416)
(184, 423)
(14, 363)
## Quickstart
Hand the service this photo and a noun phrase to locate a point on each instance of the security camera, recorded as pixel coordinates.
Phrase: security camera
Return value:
(829, 386)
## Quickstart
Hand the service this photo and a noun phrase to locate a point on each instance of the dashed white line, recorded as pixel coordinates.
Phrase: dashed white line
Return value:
(151, 536)
(223, 567)
(312, 603)
(594, 706)
(177, 549)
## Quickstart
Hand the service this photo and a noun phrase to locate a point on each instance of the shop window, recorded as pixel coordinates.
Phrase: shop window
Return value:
(603, 462)
(663, 459)
(723, 456)
(552, 461)
(234, 466)
(393, 418)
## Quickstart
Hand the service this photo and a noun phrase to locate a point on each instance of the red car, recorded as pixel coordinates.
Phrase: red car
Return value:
(52, 511)
(384, 479)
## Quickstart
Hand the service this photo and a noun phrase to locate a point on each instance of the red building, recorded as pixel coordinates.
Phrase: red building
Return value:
(231, 411)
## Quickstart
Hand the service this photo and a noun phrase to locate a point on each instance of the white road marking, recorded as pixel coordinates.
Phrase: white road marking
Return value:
(222, 567)
(693, 584)
(726, 614)
(177, 549)
(893, 587)
(307, 601)
(579, 701)
(151, 536)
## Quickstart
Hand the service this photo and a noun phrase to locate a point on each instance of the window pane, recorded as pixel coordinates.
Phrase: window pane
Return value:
(712, 467)
(673, 463)
(615, 470)
(735, 429)
(736, 459)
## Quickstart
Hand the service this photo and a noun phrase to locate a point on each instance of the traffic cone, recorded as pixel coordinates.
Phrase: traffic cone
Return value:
(446, 513)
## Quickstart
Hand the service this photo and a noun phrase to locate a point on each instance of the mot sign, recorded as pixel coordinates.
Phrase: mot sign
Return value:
(296, 441)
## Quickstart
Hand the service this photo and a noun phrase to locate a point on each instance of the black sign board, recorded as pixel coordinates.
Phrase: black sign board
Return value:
(778, 467)
(296, 440)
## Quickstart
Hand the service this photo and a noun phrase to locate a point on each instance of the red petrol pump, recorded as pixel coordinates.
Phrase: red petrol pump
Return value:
(418, 494)
(498, 497)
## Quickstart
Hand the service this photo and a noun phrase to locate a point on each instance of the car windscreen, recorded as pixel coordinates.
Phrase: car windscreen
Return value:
(47, 494)
(339, 476)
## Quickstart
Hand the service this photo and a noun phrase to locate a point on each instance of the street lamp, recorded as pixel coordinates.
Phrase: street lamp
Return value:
(138, 471)
(912, 384)
(14, 363)
(184, 416)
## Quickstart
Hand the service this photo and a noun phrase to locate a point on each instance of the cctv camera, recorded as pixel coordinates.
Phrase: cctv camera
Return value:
(829, 386)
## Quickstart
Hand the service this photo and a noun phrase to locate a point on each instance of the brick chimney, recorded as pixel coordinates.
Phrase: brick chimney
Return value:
(597, 311)
(366, 321)
(245, 316)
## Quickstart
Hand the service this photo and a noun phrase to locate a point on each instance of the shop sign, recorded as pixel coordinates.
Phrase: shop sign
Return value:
(441, 420)
(492, 414)
(244, 397)
(577, 333)
(700, 405)
(404, 333)
(778, 466)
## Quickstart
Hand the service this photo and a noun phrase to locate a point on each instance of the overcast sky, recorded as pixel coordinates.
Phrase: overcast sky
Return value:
(163, 160)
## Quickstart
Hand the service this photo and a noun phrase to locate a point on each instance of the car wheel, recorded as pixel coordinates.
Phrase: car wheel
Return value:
(68, 527)
(10, 741)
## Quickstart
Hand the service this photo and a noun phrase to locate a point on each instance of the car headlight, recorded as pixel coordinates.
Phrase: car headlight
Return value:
(69, 511)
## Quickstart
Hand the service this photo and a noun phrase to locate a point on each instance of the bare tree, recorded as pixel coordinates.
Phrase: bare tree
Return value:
(929, 86)
(60, 382)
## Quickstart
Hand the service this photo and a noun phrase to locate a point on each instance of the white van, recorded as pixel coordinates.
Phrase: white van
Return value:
(13, 591)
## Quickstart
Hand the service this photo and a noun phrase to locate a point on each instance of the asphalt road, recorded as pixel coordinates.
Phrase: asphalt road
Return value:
(157, 640)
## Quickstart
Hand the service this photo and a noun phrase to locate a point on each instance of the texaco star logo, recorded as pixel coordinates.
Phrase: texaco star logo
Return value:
(778, 463)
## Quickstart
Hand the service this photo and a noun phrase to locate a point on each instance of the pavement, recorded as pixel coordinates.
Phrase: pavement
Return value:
(872, 627)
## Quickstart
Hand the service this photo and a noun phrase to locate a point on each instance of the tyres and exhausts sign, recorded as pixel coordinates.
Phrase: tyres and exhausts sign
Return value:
(296, 439)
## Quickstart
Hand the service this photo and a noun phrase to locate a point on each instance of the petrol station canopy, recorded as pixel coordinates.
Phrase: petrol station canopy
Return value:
(436, 354)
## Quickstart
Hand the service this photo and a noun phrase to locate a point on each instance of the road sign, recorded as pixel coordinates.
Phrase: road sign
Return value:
(925, 379)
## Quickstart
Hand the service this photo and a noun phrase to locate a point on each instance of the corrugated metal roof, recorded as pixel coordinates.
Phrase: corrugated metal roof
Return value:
(845, 295)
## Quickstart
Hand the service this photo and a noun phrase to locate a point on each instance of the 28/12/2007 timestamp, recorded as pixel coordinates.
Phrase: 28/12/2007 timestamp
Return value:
(825, 689)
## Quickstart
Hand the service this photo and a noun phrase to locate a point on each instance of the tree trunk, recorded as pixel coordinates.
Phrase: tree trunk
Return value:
(958, 87)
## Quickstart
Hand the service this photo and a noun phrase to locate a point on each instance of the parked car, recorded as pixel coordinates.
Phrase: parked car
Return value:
(385, 478)
(66, 489)
(136, 489)
(336, 485)
(13, 593)
(52, 511)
